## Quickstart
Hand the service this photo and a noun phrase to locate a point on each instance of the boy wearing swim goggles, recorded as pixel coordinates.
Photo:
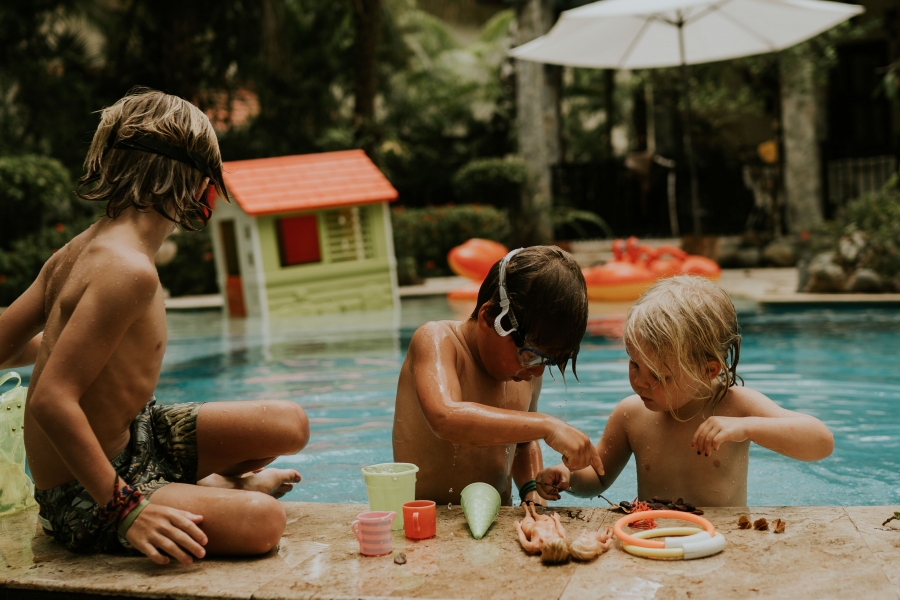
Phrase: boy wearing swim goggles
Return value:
(467, 398)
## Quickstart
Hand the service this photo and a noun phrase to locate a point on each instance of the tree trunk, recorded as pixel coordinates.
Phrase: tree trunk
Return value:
(802, 162)
(368, 33)
(609, 94)
(537, 100)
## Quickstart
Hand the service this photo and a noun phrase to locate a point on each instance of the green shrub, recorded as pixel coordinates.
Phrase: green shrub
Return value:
(193, 270)
(21, 264)
(493, 181)
(35, 192)
(876, 217)
(424, 236)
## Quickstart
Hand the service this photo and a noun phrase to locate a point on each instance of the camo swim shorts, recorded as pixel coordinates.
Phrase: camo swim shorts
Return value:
(162, 450)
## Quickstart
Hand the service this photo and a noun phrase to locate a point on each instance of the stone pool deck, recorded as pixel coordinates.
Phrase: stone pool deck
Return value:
(825, 552)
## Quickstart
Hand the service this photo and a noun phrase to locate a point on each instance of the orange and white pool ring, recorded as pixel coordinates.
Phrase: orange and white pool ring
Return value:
(683, 543)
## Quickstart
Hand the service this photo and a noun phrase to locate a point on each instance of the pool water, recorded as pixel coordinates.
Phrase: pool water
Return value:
(835, 364)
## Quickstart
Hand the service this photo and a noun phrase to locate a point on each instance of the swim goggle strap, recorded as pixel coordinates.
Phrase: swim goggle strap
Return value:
(151, 145)
(506, 310)
(528, 357)
(146, 143)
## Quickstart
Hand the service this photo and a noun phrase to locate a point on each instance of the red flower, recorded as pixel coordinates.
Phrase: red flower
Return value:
(430, 264)
(207, 256)
(60, 227)
(2, 279)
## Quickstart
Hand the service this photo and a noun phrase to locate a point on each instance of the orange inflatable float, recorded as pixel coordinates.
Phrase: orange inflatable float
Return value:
(622, 279)
(473, 260)
(635, 268)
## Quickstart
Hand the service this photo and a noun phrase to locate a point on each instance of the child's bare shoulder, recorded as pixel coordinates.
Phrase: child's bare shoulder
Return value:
(628, 410)
(434, 331)
(629, 404)
(741, 401)
(117, 273)
(434, 338)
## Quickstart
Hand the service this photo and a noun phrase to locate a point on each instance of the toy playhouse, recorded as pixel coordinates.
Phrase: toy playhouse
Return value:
(305, 235)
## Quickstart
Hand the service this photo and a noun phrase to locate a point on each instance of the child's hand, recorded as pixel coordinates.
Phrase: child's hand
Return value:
(551, 481)
(173, 531)
(576, 448)
(714, 431)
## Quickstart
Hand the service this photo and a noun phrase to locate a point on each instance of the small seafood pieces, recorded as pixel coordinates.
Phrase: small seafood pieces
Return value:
(761, 524)
(400, 559)
(656, 503)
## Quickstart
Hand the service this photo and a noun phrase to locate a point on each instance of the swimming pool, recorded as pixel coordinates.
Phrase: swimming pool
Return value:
(835, 364)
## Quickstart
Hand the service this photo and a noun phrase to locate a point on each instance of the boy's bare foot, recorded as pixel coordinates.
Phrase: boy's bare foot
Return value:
(275, 482)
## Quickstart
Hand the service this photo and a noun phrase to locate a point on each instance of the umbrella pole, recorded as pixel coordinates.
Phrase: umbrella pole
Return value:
(689, 143)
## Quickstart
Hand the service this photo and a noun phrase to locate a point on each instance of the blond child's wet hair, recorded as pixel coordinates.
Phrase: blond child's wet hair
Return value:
(125, 178)
(687, 322)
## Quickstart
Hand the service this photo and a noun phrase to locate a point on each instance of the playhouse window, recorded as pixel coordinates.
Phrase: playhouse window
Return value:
(298, 240)
(349, 235)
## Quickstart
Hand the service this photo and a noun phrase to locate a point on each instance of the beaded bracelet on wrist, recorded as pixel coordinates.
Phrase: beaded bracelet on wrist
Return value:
(124, 500)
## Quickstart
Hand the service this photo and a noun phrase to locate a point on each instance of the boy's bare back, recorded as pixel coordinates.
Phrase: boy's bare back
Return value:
(444, 467)
(102, 307)
(114, 470)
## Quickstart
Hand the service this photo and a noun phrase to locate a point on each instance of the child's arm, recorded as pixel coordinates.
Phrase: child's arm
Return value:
(20, 327)
(784, 431)
(528, 460)
(614, 451)
(433, 356)
(109, 305)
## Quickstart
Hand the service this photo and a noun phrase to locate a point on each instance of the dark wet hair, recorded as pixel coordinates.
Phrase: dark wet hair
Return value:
(151, 151)
(548, 296)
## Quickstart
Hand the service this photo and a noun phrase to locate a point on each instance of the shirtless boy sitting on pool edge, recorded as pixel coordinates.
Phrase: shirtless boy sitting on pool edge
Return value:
(111, 470)
(468, 391)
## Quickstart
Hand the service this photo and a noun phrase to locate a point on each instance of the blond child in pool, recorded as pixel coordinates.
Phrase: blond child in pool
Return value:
(688, 425)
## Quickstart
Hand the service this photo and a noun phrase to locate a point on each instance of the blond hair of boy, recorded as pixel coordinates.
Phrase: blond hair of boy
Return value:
(115, 472)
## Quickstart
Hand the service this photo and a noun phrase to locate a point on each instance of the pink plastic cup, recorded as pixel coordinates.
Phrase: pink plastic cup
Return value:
(373, 531)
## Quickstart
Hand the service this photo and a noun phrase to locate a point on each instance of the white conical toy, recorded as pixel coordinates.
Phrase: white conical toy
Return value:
(481, 504)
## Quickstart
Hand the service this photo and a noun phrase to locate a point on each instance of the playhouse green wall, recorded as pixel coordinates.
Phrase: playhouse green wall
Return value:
(327, 286)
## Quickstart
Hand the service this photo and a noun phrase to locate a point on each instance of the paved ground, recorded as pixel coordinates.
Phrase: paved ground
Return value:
(825, 552)
(766, 286)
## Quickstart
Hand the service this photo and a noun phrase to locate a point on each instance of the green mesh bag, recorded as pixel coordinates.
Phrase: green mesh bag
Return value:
(16, 488)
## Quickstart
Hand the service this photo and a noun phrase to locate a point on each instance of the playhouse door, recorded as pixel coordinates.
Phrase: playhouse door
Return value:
(234, 288)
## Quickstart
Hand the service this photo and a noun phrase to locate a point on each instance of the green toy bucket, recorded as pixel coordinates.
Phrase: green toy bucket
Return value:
(390, 485)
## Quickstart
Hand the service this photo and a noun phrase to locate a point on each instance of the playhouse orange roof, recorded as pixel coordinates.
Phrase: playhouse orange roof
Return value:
(306, 182)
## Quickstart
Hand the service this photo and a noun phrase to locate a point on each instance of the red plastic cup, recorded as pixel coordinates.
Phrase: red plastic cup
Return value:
(419, 519)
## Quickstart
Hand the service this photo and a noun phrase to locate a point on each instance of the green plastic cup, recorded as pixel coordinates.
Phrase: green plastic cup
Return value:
(390, 485)
(481, 505)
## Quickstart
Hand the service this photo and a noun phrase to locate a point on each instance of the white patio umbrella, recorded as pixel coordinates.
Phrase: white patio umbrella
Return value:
(647, 34)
